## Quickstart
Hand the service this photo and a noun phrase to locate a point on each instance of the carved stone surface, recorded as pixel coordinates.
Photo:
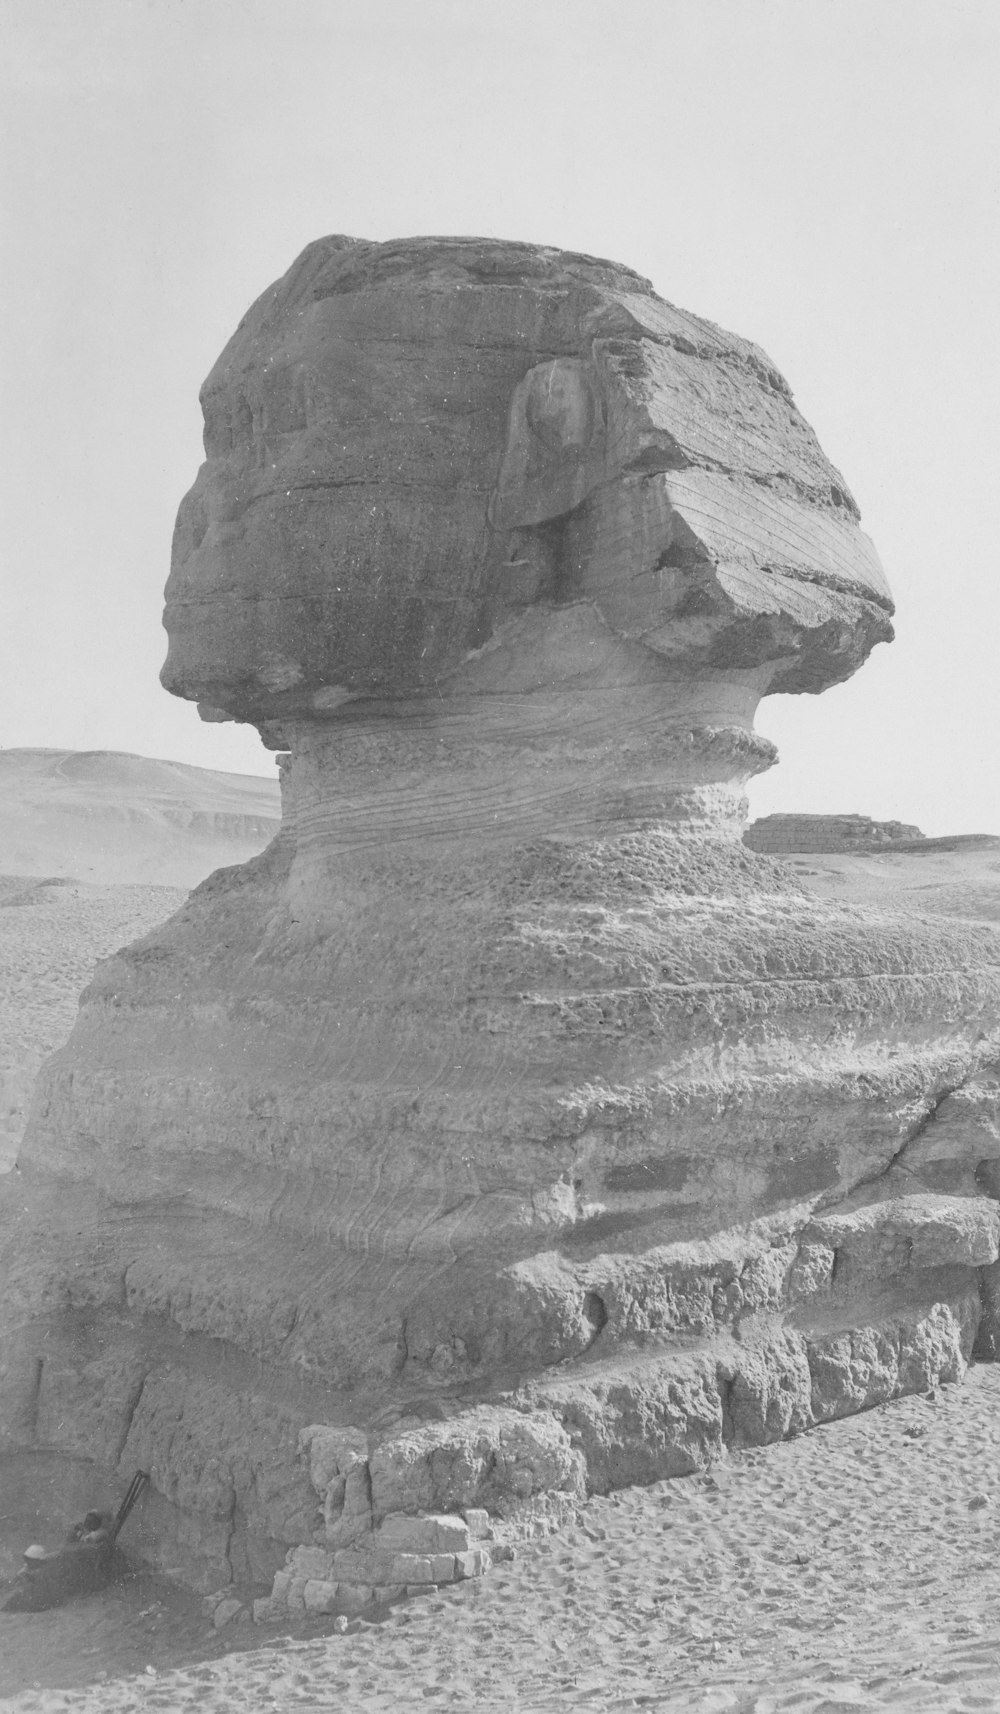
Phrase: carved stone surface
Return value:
(508, 1128)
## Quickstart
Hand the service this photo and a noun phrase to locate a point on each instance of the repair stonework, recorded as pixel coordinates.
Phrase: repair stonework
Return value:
(509, 1130)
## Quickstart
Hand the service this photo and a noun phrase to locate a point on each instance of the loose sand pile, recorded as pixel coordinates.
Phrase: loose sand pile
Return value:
(857, 1567)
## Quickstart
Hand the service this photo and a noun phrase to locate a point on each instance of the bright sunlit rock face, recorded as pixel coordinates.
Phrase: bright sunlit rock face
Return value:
(508, 1124)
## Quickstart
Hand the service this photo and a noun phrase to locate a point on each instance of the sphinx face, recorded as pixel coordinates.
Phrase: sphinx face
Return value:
(418, 455)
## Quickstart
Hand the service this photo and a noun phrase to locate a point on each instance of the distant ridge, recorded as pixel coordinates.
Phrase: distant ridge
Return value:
(851, 832)
(111, 817)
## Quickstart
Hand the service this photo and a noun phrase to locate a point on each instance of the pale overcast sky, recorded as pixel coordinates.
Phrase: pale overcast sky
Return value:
(822, 176)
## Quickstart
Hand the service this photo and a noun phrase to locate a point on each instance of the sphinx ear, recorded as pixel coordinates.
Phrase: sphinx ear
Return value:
(555, 446)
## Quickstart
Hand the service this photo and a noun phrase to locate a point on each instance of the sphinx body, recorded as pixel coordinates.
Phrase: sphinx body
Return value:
(508, 1129)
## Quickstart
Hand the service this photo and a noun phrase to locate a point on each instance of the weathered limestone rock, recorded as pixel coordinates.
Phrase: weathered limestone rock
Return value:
(779, 833)
(508, 1130)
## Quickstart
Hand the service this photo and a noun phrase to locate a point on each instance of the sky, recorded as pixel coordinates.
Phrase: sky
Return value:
(821, 176)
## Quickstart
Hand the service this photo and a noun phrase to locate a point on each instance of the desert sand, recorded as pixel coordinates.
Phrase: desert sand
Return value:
(949, 877)
(856, 1567)
(107, 817)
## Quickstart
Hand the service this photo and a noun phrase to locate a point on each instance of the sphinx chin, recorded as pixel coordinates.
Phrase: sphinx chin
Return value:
(509, 1129)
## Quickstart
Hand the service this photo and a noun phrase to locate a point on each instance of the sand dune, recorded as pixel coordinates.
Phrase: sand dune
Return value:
(106, 817)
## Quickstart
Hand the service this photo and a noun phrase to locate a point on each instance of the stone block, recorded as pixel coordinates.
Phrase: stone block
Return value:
(411, 1568)
(320, 1597)
(350, 1566)
(311, 1562)
(401, 1532)
(295, 1599)
(265, 1609)
(811, 1272)
(965, 1231)
(771, 1391)
(226, 1611)
(354, 1597)
(280, 1587)
(908, 1352)
(478, 1520)
(472, 1563)
(456, 1463)
(387, 1592)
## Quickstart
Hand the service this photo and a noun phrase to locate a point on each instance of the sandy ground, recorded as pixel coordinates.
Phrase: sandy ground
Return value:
(113, 818)
(52, 934)
(857, 1567)
(964, 881)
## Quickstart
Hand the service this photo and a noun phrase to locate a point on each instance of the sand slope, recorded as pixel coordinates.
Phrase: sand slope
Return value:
(107, 817)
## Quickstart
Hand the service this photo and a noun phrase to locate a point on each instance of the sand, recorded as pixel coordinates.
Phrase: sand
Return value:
(963, 881)
(857, 1567)
(113, 818)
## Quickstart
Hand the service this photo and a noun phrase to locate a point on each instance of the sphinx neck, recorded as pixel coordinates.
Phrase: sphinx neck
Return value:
(422, 776)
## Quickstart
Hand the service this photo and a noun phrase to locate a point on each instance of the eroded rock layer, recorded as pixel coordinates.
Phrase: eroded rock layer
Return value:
(507, 1129)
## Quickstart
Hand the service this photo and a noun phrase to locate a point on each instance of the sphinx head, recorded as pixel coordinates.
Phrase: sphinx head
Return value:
(460, 467)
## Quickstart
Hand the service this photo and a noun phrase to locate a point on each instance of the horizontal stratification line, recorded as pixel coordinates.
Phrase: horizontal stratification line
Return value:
(570, 996)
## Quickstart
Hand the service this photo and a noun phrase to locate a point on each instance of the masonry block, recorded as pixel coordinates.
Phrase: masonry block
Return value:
(438, 1533)
(387, 1592)
(321, 1597)
(295, 1599)
(353, 1598)
(310, 1562)
(411, 1568)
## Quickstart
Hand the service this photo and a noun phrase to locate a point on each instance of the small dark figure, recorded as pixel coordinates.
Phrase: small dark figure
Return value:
(96, 1526)
(87, 1560)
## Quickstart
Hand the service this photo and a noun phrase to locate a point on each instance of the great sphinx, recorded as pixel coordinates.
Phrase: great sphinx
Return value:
(508, 1130)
